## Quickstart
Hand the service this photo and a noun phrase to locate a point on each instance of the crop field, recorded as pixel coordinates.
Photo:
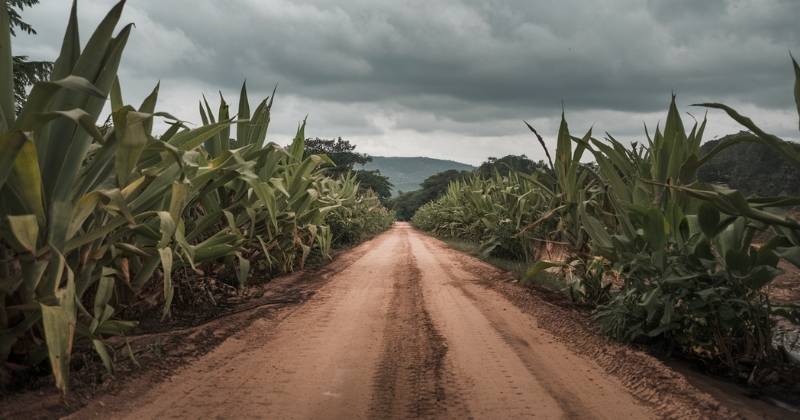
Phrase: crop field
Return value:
(92, 216)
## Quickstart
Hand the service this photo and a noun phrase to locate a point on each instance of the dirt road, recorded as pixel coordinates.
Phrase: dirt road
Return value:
(403, 331)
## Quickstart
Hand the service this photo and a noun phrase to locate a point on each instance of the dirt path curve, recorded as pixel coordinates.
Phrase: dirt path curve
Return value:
(402, 332)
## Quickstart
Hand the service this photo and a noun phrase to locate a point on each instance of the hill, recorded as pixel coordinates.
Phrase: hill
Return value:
(752, 168)
(407, 173)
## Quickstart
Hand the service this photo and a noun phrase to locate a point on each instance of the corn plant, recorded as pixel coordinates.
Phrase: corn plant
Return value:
(503, 213)
(691, 276)
(360, 216)
(90, 218)
(570, 184)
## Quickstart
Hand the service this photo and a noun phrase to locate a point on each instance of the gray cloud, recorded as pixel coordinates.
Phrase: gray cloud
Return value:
(454, 78)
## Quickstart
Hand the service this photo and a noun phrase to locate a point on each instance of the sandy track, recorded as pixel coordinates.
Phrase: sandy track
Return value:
(403, 332)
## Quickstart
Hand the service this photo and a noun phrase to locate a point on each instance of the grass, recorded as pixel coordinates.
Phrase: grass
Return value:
(547, 280)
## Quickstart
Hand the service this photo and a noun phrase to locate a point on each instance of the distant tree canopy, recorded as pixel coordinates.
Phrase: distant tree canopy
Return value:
(506, 163)
(374, 181)
(407, 203)
(340, 151)
(344, 158)
(752, 168)
(26, 72)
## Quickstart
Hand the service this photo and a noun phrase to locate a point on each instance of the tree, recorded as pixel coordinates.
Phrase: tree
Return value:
(373, 180)
(26, 73)
(340, 151)
(14, 9)
(503, 165)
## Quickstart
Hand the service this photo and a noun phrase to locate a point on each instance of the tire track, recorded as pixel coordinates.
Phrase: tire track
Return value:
(568, 401)
(410, 380)
(506, 366)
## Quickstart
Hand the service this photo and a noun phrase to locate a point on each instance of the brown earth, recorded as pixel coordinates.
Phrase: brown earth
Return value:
(405, 327)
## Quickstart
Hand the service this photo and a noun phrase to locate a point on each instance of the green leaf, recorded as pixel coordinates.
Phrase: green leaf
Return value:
(26, 182)
(167, 227)
(538, 267)
(132, 137)
(67, 148)
(101, 351)
(10, 145)
(244, 269)
(296, 148)
(105, 290)
(169, 290)
(59, 322)
(655, 229)
(242, 127)
(43, 93)
(596, 231)
(116, 97)
(90, 62)
(178, 199)
(796, 85)
(791, 254)
(190, 139)
(148, 106)
(25, 230)
(77, 116)
(708, 219)
(70, 46)
(225, 134)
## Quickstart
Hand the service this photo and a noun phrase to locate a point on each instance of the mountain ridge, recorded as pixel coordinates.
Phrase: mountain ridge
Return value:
(406, 173)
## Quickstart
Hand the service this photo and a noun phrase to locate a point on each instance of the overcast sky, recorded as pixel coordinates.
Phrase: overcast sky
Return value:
(453, 78)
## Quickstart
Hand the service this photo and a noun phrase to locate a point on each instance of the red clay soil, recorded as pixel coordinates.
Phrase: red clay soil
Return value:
(786, 288)
(405, 327)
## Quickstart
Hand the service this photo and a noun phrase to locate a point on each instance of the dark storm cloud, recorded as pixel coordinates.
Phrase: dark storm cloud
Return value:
(404, 70)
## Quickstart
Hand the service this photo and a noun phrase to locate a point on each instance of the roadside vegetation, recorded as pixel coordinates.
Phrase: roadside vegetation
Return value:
(94, 213)
(662, 258)
(407, 203)
(434, 186)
